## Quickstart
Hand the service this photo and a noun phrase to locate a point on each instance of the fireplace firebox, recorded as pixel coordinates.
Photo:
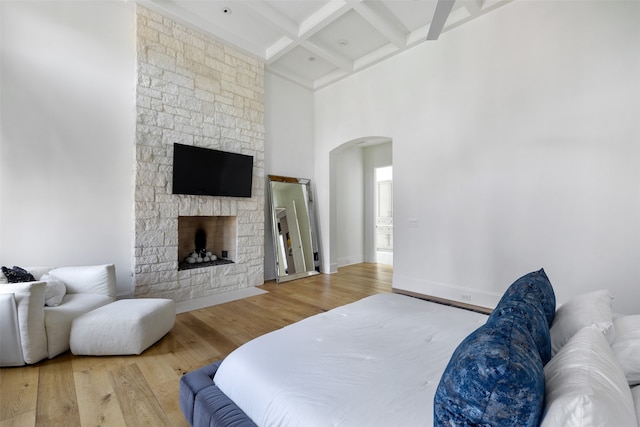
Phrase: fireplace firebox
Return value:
(206, 241)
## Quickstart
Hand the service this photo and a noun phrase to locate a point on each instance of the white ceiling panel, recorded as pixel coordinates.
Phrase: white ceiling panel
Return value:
(317, 42)
(302, 64)
(350, 35)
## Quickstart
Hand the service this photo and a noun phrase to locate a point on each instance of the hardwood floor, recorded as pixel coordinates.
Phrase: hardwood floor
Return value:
(143, 390)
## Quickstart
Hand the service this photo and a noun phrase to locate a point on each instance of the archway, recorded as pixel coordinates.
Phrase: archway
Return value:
(352, 199)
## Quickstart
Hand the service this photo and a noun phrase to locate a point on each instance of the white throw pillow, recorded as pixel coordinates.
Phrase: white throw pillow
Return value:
(592, 308)
(54, 291)
(626, 346)
(585, 385)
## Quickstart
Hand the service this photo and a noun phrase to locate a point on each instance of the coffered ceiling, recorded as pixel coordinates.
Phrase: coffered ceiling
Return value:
(317, 42)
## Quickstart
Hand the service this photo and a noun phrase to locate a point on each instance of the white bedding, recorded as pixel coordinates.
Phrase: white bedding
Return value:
(375, 362)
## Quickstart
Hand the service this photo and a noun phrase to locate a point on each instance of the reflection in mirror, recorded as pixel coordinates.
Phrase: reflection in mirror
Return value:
(294, 233)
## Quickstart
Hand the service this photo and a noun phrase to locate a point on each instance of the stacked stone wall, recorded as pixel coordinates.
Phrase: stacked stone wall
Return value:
(195, 90)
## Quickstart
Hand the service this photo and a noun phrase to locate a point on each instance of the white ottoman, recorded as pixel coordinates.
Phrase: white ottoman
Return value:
(127, 326)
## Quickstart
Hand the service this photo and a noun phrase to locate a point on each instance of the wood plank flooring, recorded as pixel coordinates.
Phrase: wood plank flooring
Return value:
(143, 390)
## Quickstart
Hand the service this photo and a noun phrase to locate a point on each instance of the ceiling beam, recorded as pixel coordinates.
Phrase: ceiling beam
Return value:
(323, 17)
(443, 9)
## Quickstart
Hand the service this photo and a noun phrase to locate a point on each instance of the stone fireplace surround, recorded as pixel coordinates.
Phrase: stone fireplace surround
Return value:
(193, 90)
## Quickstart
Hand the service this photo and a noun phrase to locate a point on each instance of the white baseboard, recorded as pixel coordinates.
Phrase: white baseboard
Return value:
(463, 295)
(350, 260)
(199, 303)
(333, 268)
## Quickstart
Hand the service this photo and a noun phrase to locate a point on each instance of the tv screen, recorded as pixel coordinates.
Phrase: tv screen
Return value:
(203, 171)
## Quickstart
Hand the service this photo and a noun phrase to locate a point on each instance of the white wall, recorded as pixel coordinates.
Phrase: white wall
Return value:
(288, 144)
(515, 147)
(67, 133)
(349, 200)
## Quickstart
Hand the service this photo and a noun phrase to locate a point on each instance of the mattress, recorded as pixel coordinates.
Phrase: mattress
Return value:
(374, 362)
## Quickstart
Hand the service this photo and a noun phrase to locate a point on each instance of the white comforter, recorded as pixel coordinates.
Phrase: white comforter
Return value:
(375, 362)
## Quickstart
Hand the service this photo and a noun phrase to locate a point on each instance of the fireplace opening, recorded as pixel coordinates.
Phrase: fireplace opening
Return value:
(201, 240)
(206, 241)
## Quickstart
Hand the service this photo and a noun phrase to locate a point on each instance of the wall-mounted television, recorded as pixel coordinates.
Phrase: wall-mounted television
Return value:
(204, 171)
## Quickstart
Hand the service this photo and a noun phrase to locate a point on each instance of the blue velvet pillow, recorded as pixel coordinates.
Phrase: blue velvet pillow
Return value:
(536, 284)
(494, 378)
(529, 313)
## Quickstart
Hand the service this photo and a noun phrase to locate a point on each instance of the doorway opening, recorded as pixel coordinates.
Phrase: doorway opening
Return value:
(354, 202)
(384, 215)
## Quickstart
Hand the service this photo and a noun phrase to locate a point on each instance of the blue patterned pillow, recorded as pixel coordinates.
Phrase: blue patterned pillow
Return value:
(528, 310)
(537, 284)
(17, 274)
(494, 378)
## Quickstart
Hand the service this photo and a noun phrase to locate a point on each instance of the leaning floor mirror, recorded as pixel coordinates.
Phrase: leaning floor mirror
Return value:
(294, 231)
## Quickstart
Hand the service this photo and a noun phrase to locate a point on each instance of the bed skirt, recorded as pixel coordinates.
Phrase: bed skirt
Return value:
(204, 404)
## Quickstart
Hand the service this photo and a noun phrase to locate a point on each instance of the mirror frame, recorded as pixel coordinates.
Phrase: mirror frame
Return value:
(306, 185)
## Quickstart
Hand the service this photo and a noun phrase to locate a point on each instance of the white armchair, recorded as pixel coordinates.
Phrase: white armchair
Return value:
(31, 331)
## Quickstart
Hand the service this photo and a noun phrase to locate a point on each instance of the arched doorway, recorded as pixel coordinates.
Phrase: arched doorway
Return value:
(353, 199)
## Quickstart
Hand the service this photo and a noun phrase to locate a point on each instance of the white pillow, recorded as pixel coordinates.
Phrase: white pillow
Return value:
(585, 385)
(635, 392)
(626, 346)
(592, 308)
(54, 291)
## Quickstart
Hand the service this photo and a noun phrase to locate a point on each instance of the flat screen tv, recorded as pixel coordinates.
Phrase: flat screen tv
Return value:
(203, 171)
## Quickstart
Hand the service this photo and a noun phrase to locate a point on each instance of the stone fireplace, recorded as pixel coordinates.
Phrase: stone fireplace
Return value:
(194, 90)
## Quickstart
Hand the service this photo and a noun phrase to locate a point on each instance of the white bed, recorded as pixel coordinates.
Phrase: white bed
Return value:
(303, 373)
(395, 360)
